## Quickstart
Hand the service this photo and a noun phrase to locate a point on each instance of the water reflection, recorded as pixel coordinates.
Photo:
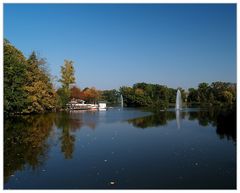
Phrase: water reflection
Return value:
(178, 118)
(223, 120)
(66, 124)
(154, 120)
(69, 123)
(27, 138)
(25, 142)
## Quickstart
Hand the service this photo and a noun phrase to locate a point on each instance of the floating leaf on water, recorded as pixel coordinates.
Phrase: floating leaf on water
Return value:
(112, 182)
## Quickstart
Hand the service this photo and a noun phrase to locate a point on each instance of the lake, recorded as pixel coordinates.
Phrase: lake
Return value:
(121, 149)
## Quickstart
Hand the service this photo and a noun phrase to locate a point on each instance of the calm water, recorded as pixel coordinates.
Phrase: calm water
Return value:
(121, 148)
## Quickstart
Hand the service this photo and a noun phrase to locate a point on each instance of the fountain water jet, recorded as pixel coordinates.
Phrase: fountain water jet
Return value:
(178, 100)
(121, 100)
(178, 108)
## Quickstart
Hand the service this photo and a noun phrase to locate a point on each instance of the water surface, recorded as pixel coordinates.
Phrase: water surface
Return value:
(121, 148)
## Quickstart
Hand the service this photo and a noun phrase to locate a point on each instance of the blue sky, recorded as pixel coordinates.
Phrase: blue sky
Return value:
(112, 45)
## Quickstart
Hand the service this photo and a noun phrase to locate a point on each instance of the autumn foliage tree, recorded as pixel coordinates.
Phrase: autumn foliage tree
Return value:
(41, 96)
(27, 84)
(75, 93)
(90, 95)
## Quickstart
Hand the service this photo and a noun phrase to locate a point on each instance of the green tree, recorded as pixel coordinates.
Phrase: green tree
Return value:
(67, 74)
(143, 94)
(63, 98)
(161, 96)
(67, 78)
(193, 95)
(203, 89)
(172, 95)
(128, 95)
(110, 96)
(14, 79)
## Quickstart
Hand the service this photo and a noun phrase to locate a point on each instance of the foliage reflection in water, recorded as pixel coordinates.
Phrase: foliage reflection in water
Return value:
(225, 121)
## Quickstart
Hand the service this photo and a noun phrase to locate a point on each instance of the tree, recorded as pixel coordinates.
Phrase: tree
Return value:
(75, 93)
(172, 95)
(227, 97)
(14, 79)
(203, 89)
(111, 96)
(143, 94)
(128, 95)
(91, 95)
(192, 95)
(218, 93)
(67, 78)
(161, 96)
(67, 73)
(62, 98)
(41, 96)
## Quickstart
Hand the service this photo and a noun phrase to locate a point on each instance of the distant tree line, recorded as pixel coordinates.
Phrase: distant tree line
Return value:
(92, 95)
(28, 88)
(150, 95)
(155, 95)
(216, 93)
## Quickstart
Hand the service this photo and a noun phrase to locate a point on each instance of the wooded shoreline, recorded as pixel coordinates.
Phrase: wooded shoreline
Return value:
(29, 89)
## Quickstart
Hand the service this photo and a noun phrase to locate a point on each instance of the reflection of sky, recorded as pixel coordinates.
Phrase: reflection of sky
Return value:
(109, 116)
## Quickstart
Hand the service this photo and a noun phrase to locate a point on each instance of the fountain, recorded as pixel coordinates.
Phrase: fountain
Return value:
(178, 100)
(178, 108)
(121, 100)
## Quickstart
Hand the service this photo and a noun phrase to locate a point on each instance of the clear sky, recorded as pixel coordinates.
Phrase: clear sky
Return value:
(115, 45)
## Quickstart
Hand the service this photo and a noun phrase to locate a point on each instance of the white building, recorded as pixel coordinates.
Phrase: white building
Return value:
(102, 105)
